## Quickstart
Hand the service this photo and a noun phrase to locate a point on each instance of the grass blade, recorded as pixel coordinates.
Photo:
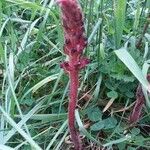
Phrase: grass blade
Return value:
(130, 63)
(23, 121)
(57, 134)
(3, 147)
(13, 124)
(119, 17)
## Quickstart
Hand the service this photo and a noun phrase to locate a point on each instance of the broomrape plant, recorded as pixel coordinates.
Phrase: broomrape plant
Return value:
(75, 42)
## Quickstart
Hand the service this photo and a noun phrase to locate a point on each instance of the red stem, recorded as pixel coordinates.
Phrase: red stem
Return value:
(71, 108)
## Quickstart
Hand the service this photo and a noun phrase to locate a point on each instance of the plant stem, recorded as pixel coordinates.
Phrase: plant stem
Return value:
(71, 108)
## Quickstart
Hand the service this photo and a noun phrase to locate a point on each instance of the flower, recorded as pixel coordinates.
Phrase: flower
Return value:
(75, 42)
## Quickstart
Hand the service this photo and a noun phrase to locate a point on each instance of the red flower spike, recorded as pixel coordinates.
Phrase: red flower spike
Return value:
(65, 65)
(75, 42)
(140, 101)
(84, 62)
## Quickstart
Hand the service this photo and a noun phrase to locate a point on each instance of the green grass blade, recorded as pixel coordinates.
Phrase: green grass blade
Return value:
(3, 147)
(64, 125)
(44, 81)
(61, 141)
(130, 63)
(3, 26)
(125, 138)
(95, 29)
(145, 69)
(2, 127)
(27, 4)
(137, 17)
(13, 124)
(24, 40)
(119, 17)
(47, 117)
(40, 84)
(23, 120)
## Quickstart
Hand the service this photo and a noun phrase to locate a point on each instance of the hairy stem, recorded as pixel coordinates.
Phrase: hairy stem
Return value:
(71, 109)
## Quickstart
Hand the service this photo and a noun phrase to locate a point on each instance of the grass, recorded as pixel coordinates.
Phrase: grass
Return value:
(34, 89)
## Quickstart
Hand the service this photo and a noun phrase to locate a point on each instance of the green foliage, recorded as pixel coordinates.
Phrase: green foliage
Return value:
(105, 124)
(97, 126)
(94, 114)
(112, 94)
